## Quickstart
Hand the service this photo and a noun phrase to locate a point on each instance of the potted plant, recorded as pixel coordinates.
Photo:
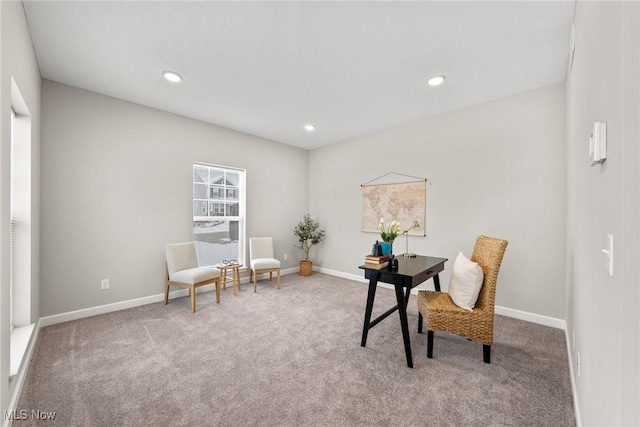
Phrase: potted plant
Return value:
(308, 233)
(388, 233)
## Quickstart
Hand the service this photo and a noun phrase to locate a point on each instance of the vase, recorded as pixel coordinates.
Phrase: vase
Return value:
(306, 268)
(387, 248)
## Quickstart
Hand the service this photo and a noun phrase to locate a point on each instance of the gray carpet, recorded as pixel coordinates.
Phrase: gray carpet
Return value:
(291, 358)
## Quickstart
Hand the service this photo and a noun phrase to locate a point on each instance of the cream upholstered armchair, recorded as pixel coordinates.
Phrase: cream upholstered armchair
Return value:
(262, 259)
(475, 321)
(183, 271)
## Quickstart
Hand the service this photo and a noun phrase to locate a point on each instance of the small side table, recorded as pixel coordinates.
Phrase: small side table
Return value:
(234, 278)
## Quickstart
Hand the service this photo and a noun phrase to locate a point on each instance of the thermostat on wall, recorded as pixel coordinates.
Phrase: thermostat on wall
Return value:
(598, 143)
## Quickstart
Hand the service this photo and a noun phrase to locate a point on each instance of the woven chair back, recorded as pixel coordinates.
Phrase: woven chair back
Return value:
(488, 253)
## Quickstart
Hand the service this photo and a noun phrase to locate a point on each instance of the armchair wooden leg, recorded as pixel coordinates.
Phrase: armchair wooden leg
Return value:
(278, 272)
(166, 293)
(486, 352)
(218, 291)
(420, 320)
(430, 344)
(255, 284)
(192, 291)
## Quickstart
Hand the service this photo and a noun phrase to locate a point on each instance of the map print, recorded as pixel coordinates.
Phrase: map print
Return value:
(404, 202)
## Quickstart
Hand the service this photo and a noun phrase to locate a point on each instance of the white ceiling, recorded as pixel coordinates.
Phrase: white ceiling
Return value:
(268, 68)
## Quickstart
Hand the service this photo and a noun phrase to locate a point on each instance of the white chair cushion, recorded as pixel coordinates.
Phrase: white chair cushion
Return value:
(192, 276)
(465, 282)
(264, 263)
(181, 256)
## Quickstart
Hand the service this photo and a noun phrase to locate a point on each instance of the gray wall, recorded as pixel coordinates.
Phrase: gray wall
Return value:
(496, 169)
(18, 61)
(117, 186)
(603, 310)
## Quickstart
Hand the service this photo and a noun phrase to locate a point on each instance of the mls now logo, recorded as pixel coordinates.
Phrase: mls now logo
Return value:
(34, 414)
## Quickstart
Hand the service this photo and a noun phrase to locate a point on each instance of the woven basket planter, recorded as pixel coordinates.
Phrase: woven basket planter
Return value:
(306, 268)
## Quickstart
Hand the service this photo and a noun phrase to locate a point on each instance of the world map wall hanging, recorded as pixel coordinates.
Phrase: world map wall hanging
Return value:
(403, 201)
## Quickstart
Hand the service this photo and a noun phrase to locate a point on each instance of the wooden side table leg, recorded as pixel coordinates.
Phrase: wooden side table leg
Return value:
(233, 280)
(223, 276)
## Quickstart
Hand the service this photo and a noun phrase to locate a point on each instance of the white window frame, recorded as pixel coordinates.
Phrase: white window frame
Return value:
(20, 250)
(212, 205)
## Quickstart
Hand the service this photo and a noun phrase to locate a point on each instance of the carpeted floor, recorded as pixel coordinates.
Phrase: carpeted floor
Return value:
(290, 358)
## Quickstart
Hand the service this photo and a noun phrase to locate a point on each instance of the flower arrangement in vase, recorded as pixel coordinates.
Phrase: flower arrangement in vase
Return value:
(388, 233)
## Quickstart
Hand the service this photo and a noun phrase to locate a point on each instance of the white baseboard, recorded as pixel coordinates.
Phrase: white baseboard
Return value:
(354, 277)
(540, 319)
(122, 305)
(572, 376)
(503, 311)
(108, 308)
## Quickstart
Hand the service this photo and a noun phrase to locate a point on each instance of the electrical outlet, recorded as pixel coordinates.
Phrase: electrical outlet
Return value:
(285, 257)
(104, 284)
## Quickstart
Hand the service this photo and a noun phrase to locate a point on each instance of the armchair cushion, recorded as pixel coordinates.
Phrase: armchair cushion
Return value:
(465, 283)
(264, 263)
(194, 275)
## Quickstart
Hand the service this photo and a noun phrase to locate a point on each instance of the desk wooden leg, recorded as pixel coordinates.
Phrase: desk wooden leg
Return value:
(436, 283)
(402, 311)
(373, 283)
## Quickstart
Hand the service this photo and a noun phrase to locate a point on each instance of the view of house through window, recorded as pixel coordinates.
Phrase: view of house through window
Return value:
(218, 213)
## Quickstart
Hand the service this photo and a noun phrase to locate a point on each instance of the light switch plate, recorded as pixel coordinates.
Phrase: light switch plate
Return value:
(598, 143)
(609, 252)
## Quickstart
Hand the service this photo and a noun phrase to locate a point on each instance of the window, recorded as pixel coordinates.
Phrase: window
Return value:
(12, 225)
(218, 213)
(20, 247)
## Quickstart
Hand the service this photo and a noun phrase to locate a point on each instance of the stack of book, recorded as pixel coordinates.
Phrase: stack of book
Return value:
(376, 262)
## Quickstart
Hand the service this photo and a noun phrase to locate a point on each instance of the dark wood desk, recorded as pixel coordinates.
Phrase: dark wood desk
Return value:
(411, 272)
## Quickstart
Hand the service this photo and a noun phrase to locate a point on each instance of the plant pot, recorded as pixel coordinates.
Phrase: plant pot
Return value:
(306, 268)
(387, 248)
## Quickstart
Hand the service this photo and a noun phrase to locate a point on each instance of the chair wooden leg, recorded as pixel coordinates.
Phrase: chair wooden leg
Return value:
(278, 272)
(420, 320)
(271, 276)
(430, 344)
(486, 352)
(166, 293)
(192, 291)
(255, 284)
(217, 283)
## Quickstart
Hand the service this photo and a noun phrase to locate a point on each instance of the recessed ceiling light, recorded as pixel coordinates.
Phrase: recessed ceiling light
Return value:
(310, 127)
(172, 76)
(436, 80)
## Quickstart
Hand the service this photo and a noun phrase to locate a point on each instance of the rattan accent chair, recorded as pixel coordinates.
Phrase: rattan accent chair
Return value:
(440, 313)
